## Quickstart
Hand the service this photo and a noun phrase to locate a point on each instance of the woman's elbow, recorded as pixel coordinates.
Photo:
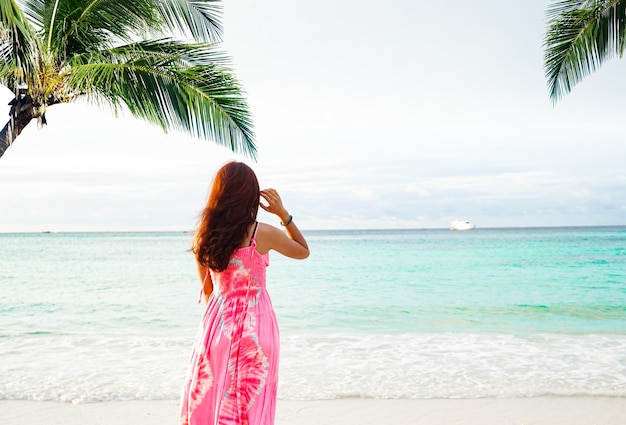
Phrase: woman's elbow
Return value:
(303, 254)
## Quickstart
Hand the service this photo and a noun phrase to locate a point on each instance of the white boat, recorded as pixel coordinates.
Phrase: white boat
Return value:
(462, 225)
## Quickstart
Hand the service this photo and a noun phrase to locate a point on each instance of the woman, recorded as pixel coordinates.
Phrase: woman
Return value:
(233, 374)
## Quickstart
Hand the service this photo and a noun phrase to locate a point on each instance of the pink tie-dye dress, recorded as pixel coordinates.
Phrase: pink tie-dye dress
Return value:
(233, 372)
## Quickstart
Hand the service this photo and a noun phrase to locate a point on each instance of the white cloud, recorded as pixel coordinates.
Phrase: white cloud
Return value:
(365, 194)
(581, 193)
(361, 121)
(414, 188)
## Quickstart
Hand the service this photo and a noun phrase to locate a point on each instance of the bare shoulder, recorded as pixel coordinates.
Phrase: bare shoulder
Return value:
(266, 236)
(269, 237)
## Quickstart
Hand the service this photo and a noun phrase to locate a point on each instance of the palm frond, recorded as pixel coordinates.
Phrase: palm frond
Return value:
(175, 86)
(198, 19)
(78, 26)
(19, 47)
(581, 36)
(167, 50)
(6, 47)
(34, 11)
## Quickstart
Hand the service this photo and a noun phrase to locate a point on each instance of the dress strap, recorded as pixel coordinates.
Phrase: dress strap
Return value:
(256, 226)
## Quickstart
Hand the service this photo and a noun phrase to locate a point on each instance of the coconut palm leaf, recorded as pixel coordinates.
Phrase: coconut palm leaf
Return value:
(77, 26)
(171, 84)
(199, 19)
(19, 49)
(33, 11)
(581, 36)
(81, 25)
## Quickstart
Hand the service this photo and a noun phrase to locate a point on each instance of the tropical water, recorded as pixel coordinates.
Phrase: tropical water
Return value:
(521, 312)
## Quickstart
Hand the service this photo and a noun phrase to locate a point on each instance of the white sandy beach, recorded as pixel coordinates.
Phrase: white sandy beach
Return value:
(488, 411)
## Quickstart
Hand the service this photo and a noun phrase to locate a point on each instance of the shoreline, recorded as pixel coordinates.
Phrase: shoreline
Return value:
(544, 410)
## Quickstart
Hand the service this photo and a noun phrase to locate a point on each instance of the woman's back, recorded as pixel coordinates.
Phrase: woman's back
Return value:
(245, 270)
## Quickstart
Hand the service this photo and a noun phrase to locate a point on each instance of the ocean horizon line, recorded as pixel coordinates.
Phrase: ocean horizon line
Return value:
(325, 230)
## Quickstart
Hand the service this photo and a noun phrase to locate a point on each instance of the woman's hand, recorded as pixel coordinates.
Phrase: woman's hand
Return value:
(290, 243)
(274, 204)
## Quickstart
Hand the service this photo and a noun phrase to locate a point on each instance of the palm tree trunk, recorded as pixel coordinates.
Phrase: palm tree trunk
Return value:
(22, 112)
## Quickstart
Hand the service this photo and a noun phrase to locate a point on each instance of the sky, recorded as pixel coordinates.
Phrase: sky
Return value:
(396, 114)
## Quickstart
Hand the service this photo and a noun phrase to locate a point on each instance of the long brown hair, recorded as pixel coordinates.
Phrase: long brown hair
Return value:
(232, 206)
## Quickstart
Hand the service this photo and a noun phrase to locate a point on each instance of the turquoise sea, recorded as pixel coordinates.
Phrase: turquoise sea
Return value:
(518, 312)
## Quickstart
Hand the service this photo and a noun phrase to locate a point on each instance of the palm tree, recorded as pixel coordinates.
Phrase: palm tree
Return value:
(581, 36)
(158, 59)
